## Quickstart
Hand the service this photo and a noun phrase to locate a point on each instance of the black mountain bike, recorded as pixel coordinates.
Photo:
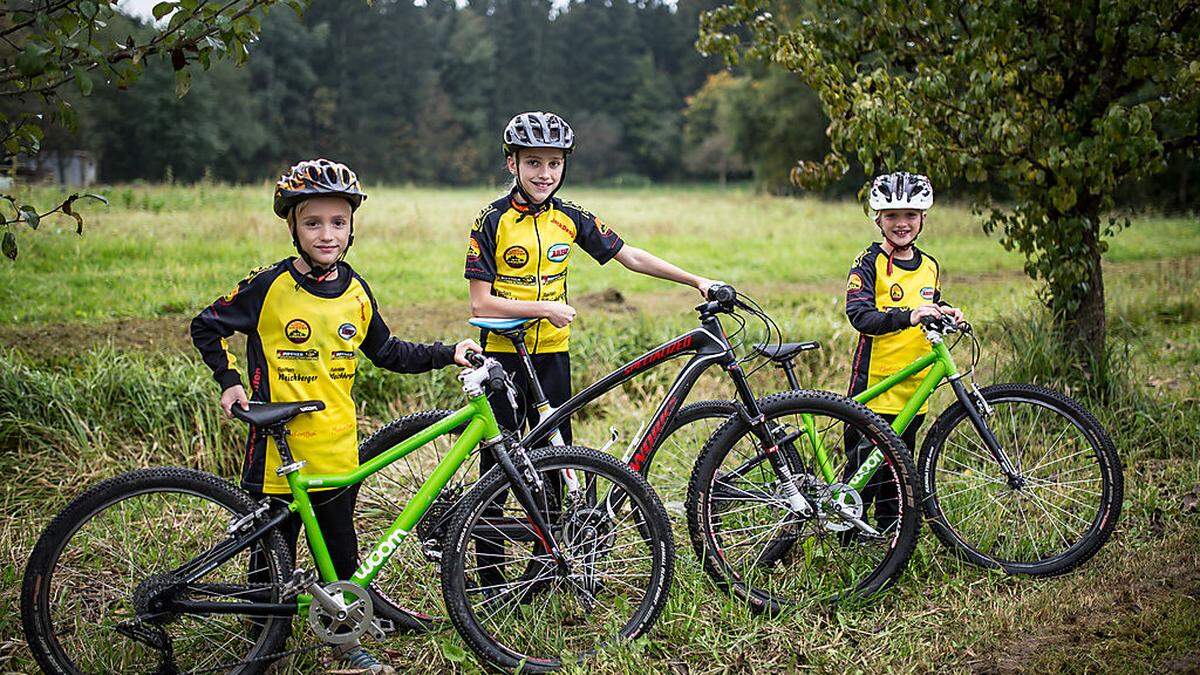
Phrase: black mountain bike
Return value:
(772, 531)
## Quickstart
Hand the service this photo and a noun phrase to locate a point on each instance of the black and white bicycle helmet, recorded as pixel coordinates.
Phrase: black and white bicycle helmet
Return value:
(538, 130)
(901, 190)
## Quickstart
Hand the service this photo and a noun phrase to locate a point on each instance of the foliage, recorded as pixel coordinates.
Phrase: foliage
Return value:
(1053, 107)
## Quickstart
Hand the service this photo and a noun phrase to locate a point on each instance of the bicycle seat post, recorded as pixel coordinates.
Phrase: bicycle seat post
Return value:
(288, 464)
(789, 370)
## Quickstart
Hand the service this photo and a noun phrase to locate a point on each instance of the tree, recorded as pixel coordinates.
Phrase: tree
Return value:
(1051, 105)
(47, 44)
(707, 128)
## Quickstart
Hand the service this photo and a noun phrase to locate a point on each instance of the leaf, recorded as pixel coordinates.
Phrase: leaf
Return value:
(178, 60)
(453, 652)
(82, 79)
(162, 9)
(31, 61)
(183, 82)
(30, 216)
(9, 245)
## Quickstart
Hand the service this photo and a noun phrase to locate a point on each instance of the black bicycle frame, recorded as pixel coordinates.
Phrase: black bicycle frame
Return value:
(708, 346)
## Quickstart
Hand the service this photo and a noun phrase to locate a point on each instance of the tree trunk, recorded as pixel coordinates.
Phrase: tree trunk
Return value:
(1085, 326)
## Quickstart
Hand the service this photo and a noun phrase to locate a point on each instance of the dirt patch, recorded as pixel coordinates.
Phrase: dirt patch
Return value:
(60, 341)
(1140, 617)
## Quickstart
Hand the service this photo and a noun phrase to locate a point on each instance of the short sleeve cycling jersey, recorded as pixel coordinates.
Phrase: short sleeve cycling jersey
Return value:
(302, 344)
(879, 302)
(526, 256)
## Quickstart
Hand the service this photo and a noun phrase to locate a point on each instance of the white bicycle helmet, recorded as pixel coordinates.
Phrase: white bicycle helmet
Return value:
(901, 190)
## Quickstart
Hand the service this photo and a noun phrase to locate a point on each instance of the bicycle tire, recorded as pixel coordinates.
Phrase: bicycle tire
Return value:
(812, 536)
(649, 523)
(669, 468)
(42, 589)
(948, 524)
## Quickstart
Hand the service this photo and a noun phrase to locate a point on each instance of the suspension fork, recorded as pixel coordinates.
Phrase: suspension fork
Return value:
(766, 438)
(524, 482)
(1015, 479)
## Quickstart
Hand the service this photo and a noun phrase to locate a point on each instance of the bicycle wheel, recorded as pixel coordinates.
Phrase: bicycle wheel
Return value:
(400, 591)
(773, 556)
(1058, 519)
(670, 466)
(618, 543)
(88, 597)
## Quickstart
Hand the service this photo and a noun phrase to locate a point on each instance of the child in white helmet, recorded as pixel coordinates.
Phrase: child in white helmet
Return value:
(891, 286)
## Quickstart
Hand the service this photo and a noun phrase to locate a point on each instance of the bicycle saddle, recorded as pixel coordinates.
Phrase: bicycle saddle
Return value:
(500, 326)
(785, 351)
(271, 414)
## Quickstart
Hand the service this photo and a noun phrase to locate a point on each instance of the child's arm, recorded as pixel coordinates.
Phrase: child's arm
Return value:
(388, 351)
(639, 260)
(236, 312)
(483, 303)
(860, 304)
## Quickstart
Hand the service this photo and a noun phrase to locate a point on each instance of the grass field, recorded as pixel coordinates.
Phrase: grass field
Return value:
(97, 376)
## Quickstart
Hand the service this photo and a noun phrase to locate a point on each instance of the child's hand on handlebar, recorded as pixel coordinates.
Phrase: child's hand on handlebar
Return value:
(915, 316)
(461, 349)
(952, 312)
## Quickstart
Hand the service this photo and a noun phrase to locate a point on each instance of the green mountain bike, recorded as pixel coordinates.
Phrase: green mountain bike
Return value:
(1015, 476)
(171, 570)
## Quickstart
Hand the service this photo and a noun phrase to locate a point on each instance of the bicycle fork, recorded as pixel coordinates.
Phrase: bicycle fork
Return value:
(525, 482)
(977, 411)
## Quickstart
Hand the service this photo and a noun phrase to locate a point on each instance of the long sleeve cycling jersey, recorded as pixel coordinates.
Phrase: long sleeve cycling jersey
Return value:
(302, 344)
(879, 304)
(526, 255)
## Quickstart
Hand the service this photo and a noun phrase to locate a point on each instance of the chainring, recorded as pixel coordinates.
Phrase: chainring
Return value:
(350, 621)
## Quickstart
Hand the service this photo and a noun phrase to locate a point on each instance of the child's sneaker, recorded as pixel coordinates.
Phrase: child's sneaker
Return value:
(359, 660)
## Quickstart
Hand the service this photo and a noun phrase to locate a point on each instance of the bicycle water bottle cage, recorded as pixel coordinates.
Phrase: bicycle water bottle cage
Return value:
(267, 415)
(786, 351)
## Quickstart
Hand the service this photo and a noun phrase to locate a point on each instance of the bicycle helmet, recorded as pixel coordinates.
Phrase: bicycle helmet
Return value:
(538, 130)
(317, 178)
(901, 190)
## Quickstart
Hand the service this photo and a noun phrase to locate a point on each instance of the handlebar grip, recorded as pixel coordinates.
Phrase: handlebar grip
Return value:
(475, 358)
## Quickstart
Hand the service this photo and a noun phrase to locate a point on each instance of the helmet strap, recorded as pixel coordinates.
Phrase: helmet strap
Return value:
(535, 207)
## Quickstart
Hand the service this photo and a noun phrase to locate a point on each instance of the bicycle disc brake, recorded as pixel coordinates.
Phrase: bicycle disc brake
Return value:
(348, 619)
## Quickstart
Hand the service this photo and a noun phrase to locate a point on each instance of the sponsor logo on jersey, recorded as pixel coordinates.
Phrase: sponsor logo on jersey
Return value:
(558, 252)
(341, 355)
(347, 330)
(516, 256)
(298, 331)
(604, 231)
(567, 227)
(896, 292)
(472, 250)
(296, 354)
(855, 282)
(927, 292)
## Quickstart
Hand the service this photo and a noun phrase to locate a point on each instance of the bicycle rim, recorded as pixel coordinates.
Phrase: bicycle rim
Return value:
(514, 595)
(128, 545)
(1060, 509)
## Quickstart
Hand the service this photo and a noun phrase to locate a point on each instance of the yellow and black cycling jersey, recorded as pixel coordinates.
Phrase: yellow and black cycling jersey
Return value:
(526, 255)
(302, 344)
(879, 302)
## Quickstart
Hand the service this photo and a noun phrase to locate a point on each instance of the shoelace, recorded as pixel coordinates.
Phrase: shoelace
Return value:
(361, 658)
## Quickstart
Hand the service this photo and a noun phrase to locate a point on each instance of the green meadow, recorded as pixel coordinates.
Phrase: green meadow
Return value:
(97, 376)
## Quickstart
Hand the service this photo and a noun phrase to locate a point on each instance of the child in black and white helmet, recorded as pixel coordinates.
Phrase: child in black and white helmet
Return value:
(891, 286)
(519, 254)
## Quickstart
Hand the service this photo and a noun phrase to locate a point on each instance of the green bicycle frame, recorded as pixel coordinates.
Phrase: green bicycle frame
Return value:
(480, 424)
(940, 365)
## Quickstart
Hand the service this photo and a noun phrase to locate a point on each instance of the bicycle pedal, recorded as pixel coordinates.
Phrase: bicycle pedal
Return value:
(380, 628)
